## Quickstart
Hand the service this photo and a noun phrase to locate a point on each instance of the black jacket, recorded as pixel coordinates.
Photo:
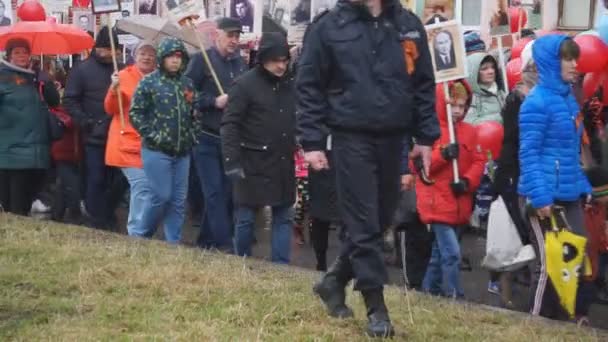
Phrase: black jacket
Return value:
(352, 75)
(85, 91)
(227, 70)
(507, 172)
(258, 135)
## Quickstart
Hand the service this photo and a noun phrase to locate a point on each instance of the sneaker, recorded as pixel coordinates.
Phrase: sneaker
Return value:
(493, 287)
(39, 208)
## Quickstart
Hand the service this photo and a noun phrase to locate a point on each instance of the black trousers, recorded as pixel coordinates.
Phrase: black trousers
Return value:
(367, 185)
(18, 188)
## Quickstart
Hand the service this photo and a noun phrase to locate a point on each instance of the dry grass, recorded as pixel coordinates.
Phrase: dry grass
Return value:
(70, 283)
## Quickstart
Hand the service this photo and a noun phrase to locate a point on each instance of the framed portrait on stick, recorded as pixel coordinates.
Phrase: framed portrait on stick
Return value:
(495, 14)
(447, 50)
(105, 6)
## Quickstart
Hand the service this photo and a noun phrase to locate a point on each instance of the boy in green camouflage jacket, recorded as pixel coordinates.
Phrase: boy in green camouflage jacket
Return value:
(161, 111)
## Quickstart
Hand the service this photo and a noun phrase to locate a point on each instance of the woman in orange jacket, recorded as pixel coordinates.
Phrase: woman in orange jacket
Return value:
(123, 149)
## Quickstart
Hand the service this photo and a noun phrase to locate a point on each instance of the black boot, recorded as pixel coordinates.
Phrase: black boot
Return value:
(331, 289)
(379, 324)
(321, 260)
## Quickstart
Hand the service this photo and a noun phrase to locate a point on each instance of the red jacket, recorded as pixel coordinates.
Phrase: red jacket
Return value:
(68, 148)
(437, 203)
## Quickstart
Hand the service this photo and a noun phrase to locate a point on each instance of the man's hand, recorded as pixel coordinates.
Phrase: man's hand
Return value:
(424, 152)
(544, 212)
(221, 101)
(115, 81)
(317, 160)
(588, 202)
(407, 182)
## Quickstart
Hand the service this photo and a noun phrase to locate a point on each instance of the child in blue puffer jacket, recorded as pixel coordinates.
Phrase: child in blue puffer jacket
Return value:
(549, 153)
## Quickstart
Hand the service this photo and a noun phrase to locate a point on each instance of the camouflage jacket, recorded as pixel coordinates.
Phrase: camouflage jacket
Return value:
(161, 109)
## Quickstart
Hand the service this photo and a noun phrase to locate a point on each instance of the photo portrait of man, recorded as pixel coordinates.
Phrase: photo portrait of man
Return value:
(171, 4)
(445, 57)
(438, 9)
(5, 20)
(243, 10)
(301, 13)
(499, 22)
(147, 7)
(84, 21)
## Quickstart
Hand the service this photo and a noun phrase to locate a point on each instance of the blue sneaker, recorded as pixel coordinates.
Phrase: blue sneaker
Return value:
(493, 287)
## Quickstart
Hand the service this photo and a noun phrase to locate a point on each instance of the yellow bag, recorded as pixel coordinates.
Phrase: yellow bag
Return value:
(565, 253)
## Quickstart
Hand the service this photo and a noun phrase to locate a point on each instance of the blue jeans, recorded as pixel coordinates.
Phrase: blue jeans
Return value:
(140, 197)
(168, 181)
(445, 262)
(282, 224)
(216, 220)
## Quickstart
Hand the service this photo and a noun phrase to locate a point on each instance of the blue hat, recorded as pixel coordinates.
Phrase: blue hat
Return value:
(473, 42)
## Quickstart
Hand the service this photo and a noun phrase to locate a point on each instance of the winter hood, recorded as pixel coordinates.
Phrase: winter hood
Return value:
(546, 55)
(167, 47)
(474, 62)
(440, 105)
(9, 66)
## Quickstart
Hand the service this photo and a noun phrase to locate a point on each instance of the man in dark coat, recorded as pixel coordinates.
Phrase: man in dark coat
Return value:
(85, 91)
(258, 142)
(216, 221)
(365, 74)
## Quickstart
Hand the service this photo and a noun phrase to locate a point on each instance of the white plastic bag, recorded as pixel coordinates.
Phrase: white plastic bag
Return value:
(504, 250)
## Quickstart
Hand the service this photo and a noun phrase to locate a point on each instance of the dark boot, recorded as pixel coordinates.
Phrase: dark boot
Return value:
(379, 324)
(321, 261)
(331, 290)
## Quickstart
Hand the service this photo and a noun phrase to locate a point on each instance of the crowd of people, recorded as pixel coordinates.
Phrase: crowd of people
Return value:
(336, 132)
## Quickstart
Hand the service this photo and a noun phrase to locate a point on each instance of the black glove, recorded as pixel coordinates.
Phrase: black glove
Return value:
(235, 174)
(461, 187)
(450, 152)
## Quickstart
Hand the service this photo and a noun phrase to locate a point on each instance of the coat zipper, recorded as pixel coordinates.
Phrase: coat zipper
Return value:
(179, 120)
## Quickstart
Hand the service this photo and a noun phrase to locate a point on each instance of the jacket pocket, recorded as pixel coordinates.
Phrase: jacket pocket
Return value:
(99, 131)
(254, 147)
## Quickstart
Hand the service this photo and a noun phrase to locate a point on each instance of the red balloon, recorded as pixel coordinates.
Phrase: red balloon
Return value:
(594, 53)
(519, 46)
(31, 10)
(514, 14)
(489, 137)
(592, 82)
(513, 72)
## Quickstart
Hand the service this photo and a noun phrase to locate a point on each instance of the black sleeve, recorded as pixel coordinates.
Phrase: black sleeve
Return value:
(196, 72)
(426, 125)
(312, 105)
(230, 128)
(73, 96)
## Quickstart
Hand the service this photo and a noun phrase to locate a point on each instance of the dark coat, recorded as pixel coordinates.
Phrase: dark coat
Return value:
(353, 75)
(258, 135)
(227, 69)
(24, 120)
(85, 92)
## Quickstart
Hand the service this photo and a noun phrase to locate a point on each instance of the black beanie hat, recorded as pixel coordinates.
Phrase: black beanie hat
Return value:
(15, 43)
(103, 38)
(273, 45)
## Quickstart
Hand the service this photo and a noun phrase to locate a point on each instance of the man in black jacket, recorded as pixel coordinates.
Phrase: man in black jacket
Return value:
(258, 141)
(366, 74)
(85, 91)
(216, 221)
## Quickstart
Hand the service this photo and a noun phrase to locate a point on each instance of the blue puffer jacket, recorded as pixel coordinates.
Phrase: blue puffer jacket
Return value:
(549, 141)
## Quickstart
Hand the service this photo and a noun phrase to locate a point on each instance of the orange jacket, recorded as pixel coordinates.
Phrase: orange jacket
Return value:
(123, 150)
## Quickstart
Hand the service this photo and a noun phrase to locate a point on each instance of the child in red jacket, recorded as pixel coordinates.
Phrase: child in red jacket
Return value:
(445, 205)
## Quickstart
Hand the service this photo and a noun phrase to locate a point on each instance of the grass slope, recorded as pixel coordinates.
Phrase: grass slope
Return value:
(70, 283)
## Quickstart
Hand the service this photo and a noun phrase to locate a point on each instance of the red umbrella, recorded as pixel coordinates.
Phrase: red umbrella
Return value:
(48, 38)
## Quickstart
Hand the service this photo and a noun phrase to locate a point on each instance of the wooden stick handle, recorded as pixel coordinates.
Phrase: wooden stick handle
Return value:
(118, 92)
(205, 56)
(452, 133)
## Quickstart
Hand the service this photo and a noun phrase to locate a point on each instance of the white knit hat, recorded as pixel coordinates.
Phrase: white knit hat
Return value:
(526, 55)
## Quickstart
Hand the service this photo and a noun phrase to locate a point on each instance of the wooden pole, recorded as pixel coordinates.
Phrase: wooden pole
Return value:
(501, 61)
(452, 133)
(115, 63)
(205, 56)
